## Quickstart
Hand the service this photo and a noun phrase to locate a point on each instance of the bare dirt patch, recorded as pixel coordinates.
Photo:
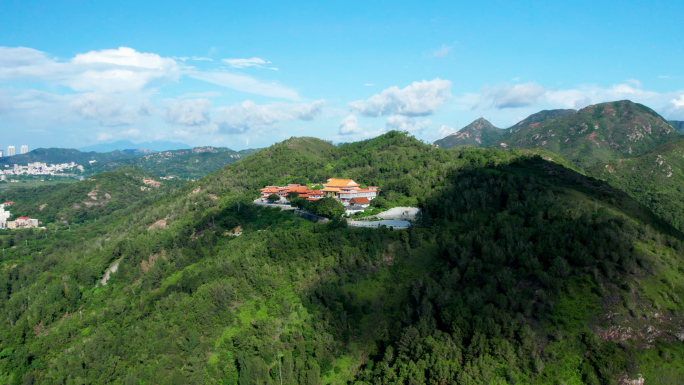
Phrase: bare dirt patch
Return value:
(41, 207)
(151, 182)
(160, 224)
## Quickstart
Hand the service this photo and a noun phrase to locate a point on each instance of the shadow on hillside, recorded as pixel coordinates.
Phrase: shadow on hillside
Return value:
(502, 253)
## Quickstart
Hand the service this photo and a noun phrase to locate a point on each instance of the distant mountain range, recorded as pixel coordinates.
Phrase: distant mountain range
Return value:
(137, 148)
(594, 134)
(62, 155)
(185, 163)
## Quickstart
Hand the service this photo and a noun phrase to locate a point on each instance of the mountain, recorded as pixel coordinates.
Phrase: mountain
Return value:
(127, 144)
(542, 116)
(678, 125)
(519, 270)
(193, 163)
(482, 133)
(62, 155)
(479, 133)
(656, 179)
(596, 133)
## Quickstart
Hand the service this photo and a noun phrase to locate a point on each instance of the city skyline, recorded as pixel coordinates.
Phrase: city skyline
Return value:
(250, 75)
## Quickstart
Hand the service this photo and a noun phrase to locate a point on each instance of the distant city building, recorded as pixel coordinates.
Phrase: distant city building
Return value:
(10, 151)
(0, 153)
(24, 149)
(22, 223)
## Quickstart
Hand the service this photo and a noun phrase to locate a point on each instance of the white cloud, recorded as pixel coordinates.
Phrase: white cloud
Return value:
(445, 130)
(418, 99)
(511, 96)
(349, 126)
(108, 110)
(369, 84)
(110, 70)
(273, 68)
(242, 63)
(248, 115)
(679, 103)
(443, 51)
(189, 112)
(634, 82)
(404, 123)
(245, 84)
(195, 58)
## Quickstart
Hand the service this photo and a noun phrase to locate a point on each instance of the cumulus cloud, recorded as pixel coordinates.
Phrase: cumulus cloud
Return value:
(418, 99)
(349, 126)
(108, 110)
(242, 63)
(679, 103)
(445, 130)
(111, 70)
(511, 96)
(189, 112)
(248, 115)
(404, 123)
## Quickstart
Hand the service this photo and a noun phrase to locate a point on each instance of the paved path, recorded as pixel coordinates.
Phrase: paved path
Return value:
(400, 214)
(110, 270)
(375, 224)
(287, 206)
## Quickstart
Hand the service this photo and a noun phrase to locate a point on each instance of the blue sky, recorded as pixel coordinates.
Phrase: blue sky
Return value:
(249, 74)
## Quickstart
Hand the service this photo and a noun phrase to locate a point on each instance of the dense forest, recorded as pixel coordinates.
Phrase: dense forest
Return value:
(521, 269)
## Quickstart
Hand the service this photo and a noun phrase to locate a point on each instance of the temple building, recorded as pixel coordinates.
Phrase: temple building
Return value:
(346, 189)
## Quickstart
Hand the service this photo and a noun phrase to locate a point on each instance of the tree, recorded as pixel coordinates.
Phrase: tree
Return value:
(328, 207)
(292, 195)
(273, 198)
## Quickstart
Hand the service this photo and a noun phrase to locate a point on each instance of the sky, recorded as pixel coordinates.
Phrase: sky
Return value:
(250, 74)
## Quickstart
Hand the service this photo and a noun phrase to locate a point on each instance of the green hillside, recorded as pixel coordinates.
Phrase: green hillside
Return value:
(541, 116)
(678, 125)
(519, 271)
(193, 163)
(655, 179)
(482, 133)
(95, 197)
(596, 134)
(479, 133)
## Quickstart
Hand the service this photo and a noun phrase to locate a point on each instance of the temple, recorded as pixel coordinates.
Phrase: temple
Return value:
(345, 190)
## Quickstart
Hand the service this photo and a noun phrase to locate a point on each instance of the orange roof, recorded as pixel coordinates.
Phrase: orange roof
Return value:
(315, 192)
(269, 190)
(361, 200)
(330, 189)
(299, 189)
(332, 182)
(23, 218)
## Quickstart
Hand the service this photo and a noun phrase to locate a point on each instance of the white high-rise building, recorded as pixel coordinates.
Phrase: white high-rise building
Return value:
(24, 149)
(10, 151)
(0, 153)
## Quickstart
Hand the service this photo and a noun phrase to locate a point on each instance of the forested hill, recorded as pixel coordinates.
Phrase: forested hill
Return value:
(62, 155)
(542, 116)
(655, 179)
(482, 133)
(479, 133)
(678, 125)
(191, 163)
(520, 271)
(93, 198)
(597, 133)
